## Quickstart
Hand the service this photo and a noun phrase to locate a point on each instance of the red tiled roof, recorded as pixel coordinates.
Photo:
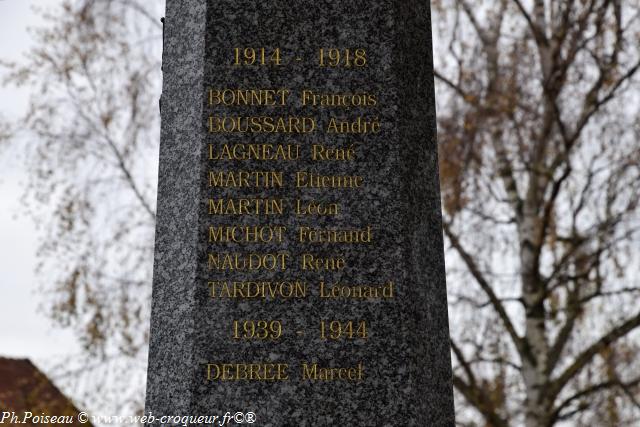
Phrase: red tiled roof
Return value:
(23, 388)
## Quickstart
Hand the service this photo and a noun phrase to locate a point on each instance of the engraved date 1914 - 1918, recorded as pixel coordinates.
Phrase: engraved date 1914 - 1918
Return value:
(325, 57)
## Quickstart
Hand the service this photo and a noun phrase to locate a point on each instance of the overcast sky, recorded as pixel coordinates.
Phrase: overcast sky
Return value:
(25, 332)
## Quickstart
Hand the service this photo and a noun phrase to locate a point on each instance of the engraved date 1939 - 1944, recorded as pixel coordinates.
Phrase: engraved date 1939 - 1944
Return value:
(272, 330)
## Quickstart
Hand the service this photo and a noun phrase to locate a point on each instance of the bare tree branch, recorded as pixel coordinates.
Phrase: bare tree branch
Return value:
(484, 285)
(584, 358)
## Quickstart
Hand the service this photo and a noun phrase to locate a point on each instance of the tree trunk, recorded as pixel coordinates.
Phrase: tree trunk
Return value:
(534, 361)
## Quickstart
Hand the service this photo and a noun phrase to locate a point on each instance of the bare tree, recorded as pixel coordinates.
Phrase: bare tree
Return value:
(540, 160)
(538, 123)
(91, 141)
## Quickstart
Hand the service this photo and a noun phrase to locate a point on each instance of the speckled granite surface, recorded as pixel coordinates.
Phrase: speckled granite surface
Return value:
(174, 308)
(406, 359)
